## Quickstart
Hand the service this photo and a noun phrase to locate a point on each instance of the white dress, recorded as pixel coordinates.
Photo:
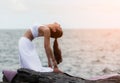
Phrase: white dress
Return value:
(28, 56)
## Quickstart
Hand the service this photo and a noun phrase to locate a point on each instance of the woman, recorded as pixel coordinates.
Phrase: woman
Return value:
(27, 52)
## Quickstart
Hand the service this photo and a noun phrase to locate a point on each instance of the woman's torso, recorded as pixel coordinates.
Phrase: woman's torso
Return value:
(33, 32)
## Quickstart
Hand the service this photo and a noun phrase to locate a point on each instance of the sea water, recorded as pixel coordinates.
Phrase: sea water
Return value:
(86, 52)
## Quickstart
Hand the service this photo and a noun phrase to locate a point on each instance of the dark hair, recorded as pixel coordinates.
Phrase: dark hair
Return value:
(56, 34)
(57, 52)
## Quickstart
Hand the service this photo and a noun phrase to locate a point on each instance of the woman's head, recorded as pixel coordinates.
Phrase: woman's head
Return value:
(56, 30)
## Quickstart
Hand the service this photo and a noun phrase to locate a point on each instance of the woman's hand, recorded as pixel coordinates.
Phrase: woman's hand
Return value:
(56, 70)
(55, 63)
(49, 64)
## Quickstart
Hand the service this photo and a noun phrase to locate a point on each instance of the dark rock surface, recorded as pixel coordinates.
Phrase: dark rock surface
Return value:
(30, 76)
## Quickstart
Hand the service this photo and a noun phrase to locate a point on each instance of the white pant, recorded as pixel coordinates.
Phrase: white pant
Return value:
(28, 56)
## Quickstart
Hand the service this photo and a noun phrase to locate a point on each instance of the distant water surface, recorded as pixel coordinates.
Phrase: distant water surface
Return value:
(86, 53)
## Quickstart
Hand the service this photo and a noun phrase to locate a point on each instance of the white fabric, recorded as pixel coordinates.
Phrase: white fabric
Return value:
(34, 30)
(29, 57)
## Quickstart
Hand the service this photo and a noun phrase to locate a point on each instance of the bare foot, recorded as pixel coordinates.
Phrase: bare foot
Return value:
(56, 70)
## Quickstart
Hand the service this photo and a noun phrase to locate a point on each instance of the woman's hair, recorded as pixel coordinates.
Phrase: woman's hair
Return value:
(58, 33)
(57, 52)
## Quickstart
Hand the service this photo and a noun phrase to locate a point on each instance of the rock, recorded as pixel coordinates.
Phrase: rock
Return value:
(30, 76)
(25, 75)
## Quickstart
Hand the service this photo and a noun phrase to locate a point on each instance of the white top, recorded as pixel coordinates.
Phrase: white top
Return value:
(34, 30)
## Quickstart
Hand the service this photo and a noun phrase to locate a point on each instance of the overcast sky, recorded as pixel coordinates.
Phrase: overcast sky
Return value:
(15, 14)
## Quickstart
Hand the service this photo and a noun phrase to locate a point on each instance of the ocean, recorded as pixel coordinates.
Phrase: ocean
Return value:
(86, 52)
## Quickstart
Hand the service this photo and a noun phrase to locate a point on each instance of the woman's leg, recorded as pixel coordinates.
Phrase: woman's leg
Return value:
(29, 57)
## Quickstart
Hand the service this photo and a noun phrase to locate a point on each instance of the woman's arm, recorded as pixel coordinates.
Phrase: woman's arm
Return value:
(48, 49)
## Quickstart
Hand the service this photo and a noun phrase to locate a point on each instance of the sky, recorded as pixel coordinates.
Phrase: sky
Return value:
(21, 14)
